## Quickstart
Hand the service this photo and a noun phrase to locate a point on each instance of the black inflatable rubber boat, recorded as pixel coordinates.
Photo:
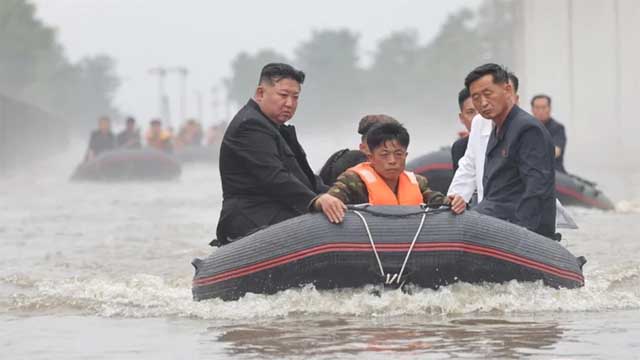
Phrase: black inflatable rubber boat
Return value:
(377, 245)
(198, 154)
(570, 189)
(134, 164)
(436, 166)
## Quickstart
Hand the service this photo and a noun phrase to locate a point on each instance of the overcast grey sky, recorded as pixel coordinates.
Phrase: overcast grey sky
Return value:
(206, 35)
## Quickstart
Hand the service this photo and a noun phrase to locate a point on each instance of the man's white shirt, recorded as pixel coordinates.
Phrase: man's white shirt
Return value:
(470, 171)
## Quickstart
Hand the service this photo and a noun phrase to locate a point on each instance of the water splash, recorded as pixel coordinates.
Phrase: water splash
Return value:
(143, 295)
(628, 207)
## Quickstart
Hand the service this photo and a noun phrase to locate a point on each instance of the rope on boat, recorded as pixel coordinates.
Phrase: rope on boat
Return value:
(413, 242)
(373, 245)
(390, 278)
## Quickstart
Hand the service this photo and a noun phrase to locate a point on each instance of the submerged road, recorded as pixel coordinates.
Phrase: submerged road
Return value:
(92, 271)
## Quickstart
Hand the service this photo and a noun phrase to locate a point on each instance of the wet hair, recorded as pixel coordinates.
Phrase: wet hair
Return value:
(368, 121)
(380, 133)
(499, 73)
(463, 95)
(514, 81)
(274, 72)
(541, 96)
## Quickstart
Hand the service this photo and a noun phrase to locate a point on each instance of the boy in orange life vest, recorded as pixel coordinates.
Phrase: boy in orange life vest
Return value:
(383, 180)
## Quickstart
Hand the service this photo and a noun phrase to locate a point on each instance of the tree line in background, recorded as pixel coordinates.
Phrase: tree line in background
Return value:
(406, 79)
(35, 70)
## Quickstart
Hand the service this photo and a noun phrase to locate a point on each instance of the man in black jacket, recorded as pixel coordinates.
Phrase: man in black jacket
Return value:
(541, 109)
(519, 176)
(129, 138)
(101, 140)
(264, 170)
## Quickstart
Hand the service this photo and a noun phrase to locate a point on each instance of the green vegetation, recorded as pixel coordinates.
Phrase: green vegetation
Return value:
(34, 70)
(405, 78)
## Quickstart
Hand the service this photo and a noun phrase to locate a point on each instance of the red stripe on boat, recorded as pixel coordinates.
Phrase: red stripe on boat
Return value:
(352, 247)
(585, 199)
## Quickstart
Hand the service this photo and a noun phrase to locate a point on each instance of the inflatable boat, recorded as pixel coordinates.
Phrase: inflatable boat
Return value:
(576, 191)
(129, 164)
(198, 154)
(436, 166)
(390, 245)
(570, 189)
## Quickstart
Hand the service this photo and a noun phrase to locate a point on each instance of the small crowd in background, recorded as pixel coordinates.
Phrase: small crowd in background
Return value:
(190, 134)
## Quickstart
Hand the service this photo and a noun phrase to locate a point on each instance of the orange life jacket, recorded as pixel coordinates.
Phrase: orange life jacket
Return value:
(161, 141)
(379, 192)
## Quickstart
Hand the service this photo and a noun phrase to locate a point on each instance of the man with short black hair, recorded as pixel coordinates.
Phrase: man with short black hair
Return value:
(159, 138)
(519, 176)
(541, 109)
(265, 175)
(467, 179)
(466, 115)
(129, 138)
(101, 140)
(383, 179)
(345, 158)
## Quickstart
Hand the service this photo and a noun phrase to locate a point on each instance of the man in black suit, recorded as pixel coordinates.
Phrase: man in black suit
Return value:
(541, 109)
(264, 170)
(519, 175)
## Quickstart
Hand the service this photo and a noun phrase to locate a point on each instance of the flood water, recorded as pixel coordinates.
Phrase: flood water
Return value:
(102, 271)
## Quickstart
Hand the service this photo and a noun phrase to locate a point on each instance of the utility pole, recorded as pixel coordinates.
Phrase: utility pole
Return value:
(183, 72)
(163, 99)
(215, 104)
(163, 107)
(198, 94)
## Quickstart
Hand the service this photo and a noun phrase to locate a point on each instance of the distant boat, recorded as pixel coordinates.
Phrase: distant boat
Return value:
(198, 154)
(570, 189)
(129, 164)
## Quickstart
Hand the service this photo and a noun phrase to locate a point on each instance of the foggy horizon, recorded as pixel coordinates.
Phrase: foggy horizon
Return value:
(206, 41)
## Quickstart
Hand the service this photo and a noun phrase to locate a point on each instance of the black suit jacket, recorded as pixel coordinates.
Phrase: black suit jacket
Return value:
(458, 149)
(559, 137)
(265, 174)
(339, 162)
(519, 175)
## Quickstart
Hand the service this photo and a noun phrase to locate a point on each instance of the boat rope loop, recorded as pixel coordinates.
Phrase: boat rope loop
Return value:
(391, 278)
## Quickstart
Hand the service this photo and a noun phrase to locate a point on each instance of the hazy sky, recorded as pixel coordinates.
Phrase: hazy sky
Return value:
(205, 36)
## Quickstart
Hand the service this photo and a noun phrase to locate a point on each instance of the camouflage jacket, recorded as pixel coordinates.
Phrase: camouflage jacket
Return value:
(350, 189)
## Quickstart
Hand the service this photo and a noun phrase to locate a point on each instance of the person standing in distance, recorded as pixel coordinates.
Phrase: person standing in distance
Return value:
(541, 109)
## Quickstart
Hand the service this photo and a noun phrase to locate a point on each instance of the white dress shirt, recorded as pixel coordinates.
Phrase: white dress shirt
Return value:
(470, 171)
